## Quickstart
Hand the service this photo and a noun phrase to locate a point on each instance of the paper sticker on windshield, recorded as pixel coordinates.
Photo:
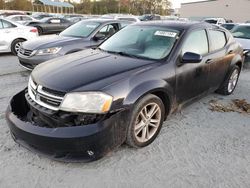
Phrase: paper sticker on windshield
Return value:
(165, 33)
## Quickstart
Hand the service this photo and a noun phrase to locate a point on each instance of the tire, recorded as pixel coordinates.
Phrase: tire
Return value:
(15, 46)
(229, 85)
(140, 131)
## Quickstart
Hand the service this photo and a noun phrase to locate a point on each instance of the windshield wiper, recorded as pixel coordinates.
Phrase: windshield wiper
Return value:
(132, 55)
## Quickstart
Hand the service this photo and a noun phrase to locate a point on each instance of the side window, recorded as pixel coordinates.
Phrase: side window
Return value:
(7, 24)
(1, 24)
(55, 21)
(196, 42)
(108, 30)
(17, 18)
(25, 18)
(218, 39)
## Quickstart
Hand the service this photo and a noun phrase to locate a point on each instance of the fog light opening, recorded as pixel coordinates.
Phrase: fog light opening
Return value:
(90, 153)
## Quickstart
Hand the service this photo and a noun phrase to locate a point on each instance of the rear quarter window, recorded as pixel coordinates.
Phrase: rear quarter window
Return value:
(218, 39)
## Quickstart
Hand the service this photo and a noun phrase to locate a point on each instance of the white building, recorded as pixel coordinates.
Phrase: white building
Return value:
(236, 10)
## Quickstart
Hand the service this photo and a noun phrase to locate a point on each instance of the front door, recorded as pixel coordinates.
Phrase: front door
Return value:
(192, 78)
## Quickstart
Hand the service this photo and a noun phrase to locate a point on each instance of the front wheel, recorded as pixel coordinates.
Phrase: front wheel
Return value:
(146, 121)
(230, 83)
(15, 46)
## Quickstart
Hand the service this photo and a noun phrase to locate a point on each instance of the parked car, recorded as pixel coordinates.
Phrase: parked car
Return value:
(84, 34)
(217, 21)
(147, 17)
(22, 19)
(85, 104)
(41, 15)
(242, 34)
(13, 34)
(50, 25)
(229, 26)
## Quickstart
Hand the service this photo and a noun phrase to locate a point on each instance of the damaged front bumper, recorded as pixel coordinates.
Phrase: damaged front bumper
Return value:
(70, 143)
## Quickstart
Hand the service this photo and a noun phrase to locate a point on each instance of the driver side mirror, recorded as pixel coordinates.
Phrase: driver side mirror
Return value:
(99, 36)
(190, 57)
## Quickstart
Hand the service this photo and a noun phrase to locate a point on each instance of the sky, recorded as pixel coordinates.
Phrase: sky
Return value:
(175, 3)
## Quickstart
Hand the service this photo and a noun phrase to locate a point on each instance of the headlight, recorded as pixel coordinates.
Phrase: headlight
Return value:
(87, 102)
(47, 51)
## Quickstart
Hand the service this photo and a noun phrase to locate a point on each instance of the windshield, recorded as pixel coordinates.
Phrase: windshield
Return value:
(81, 29)
(142, 41)
(241, 32)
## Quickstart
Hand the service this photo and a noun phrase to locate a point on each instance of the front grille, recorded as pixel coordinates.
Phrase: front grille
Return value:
(44, 97)
(26, 52)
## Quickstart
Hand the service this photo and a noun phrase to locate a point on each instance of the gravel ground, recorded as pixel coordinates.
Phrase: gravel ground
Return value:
(196, 148)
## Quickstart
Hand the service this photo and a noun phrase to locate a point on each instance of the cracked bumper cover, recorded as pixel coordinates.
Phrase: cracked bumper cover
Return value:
(78, 143)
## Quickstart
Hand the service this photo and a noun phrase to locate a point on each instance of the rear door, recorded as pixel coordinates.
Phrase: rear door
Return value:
(220, 57)
(192, 78)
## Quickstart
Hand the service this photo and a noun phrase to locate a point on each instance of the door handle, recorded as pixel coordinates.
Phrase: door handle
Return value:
(209, 61)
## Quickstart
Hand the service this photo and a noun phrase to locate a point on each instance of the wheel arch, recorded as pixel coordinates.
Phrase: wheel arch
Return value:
(160, 88)
(237, 60)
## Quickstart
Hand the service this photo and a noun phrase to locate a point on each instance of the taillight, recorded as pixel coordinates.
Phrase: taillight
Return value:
(34, 30)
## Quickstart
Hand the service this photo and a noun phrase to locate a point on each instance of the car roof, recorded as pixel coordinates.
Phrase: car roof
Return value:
(101, 20)
(179, 25)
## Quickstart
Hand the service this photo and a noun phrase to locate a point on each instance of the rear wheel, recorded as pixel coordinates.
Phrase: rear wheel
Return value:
(230, 83)
(15, 46)
(146, 121)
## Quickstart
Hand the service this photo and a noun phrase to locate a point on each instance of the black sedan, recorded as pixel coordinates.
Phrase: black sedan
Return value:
(50, 25)
(82, 35)
(85, 104)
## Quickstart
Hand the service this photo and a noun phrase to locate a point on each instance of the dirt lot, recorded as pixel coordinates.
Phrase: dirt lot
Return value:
(196, 148)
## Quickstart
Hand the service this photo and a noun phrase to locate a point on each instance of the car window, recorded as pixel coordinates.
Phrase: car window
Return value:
(63, 21)
(218, 39)
(25, 18)
(108, 30)
(1, 24)
(17, 18)
(196, 42)
(241, 31)
(7, 24)
(81, 29)
(55, 21)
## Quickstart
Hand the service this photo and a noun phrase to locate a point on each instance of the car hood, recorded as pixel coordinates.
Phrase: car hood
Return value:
(49, 41)
(89, 67)
(245, 43)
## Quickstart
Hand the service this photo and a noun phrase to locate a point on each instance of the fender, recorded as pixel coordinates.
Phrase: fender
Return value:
(237, 59)
(150, 86)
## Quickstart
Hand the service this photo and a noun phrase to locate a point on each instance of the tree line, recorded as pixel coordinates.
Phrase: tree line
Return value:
(136, 7)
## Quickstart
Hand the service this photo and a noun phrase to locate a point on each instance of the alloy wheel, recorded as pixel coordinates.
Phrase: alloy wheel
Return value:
(233, 80)
(147, 122)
